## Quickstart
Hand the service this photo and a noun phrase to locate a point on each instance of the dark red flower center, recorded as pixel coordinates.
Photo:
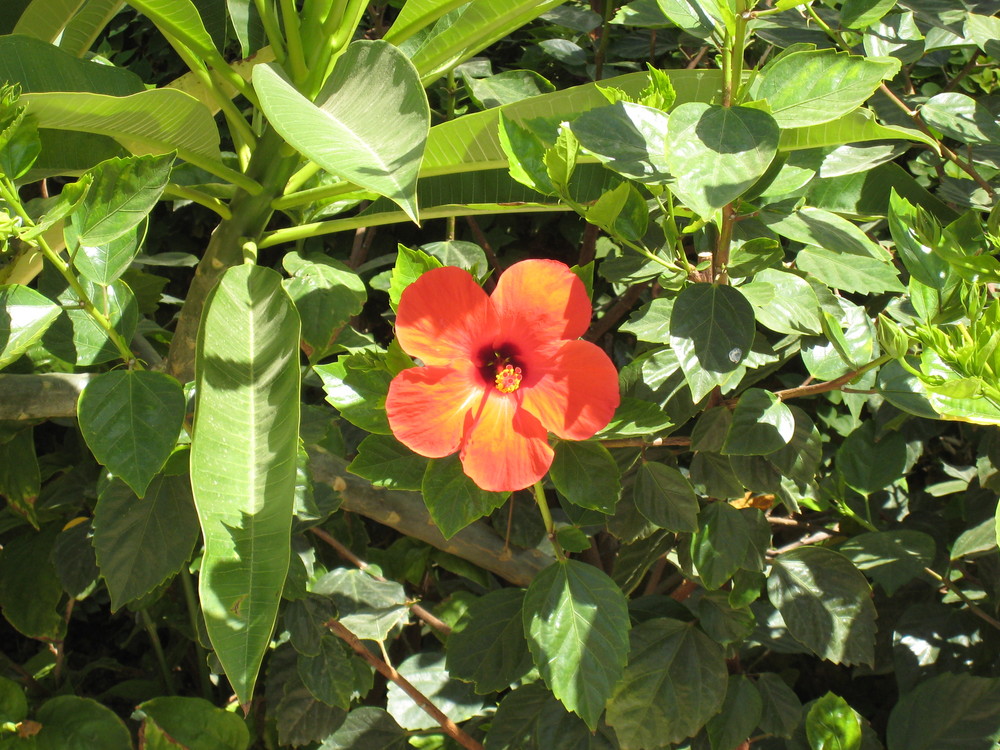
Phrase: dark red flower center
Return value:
(502, 367)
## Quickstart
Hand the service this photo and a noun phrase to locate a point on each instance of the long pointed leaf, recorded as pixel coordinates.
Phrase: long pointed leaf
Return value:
(243, 456)
(45, 19)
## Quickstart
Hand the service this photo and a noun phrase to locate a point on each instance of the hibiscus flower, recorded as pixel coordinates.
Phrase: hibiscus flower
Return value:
(499, 371)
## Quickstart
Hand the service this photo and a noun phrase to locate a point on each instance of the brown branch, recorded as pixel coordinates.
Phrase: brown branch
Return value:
(643, 443)
(416, 609)
(616, 312)
(491, 256)
(973, 607)
(447, 725)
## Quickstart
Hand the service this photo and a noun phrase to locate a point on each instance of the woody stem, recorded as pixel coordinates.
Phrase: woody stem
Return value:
(550, 527)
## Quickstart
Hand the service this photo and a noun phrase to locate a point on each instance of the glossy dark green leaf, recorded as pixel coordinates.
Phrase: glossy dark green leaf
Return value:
(20, 478)
(427, 673)
(131, 420)
(30, 592)
(890, 558)
(530, 718)
(720, 545)
(299, 718)
(122, 194)
(24, 317)
(576, 622)
(674, 683)
(386, 462)
(859, 14)
(665, 497)
(831, 724)
(507, 87)
(854, 459)
(635, 417)
(368, 608)
(586, 474)
(820, 228)
(781, 708)
(801, 458)
(192, 723)
(358, 390)
(816, 86)
(335, 675)
(628, 138)
(13, 703)
(467, 255)
(453, 499)
(740, 713)
(368, 726)
(326, 293)
(826, 604)
(713, 475)
(651, 322)
(947, 712)
(783, 302)
(142, 543)
(711, 330)
(721, 621)
(762, 424)
(76, 560)
(488, 647)
(715, 153)
(68, 721)
(961, 117)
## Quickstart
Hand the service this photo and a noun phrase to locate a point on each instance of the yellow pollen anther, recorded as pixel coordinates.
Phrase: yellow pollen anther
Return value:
(508, 379)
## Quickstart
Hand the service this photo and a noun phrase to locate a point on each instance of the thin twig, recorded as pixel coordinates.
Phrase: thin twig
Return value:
(447, 725)
(639, 442)
(973, 607)
(616, 312)
(484, 243)
(344, 552)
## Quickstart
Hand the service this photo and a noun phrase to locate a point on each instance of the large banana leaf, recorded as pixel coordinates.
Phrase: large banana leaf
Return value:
(243, 453)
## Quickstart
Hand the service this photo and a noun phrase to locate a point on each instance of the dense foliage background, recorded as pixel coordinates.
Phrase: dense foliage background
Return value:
(784, 213)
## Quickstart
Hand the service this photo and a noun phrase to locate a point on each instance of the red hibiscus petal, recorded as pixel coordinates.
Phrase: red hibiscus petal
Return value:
(574, 392)
(542, 300)
(430, 408)
(444, 315)
(506, 449)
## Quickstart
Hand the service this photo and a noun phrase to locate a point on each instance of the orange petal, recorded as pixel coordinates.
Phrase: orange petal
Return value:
(541, 299)
(430, 408)
(574, 393)
(444, 315)
(506, 449)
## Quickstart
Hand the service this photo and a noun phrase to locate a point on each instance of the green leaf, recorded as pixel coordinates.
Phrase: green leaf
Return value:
(368, 608)
(782, 709)
(78, 338)
(961, 117)
(104, 264)
(628, 138)
(386, 462)
(674, 683)
(720, 545)
(715, 153)
(38, 66)
(860, 14)
(466, 255)
(326, 293)
(947, 712)
(783, 302)
(814, 226)
(635, 417)
(410, 266)
(368, 725)
(690, 15)
(762, 424)
(826, 604)
(854, 459)
(30, 592)
(13, 703)
(530, 718)
(76, 560)
(193, 723)
(817, 86)
(68, 721)
(832, 724)
(487, 646)
(25, 315)
(721, 621)
(891, 558)
(181, 20)
(427, 673)
(576, 621)
(453, 499)
(335, 675)
(142, 543)
(586, 474)
(131, 420)
(914, 232)
(247, 410)
(665, 497)
(507, 87)
(379, 150)
(711, 330)
(122, 194)
(358, 390)
(851, 273)
(739, 715)
(157, 121)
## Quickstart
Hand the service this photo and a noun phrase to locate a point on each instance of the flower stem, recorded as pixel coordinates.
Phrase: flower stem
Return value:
(550, 527)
